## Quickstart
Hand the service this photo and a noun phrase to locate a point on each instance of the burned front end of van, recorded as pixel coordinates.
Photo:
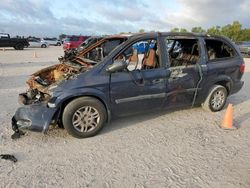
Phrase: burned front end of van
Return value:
(38, 104)
(36, 112)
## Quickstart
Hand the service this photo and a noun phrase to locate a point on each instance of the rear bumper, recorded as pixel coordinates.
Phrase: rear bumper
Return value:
(237, 87)
(35, 117)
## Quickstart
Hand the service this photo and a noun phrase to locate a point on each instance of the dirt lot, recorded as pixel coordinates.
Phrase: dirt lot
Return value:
(182, 148)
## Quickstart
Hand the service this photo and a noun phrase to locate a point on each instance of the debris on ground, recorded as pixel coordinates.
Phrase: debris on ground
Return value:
(8, 157)
(17, 133)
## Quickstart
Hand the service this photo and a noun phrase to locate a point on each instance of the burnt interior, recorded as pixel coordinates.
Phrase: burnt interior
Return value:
(217, 49)
(183, 52)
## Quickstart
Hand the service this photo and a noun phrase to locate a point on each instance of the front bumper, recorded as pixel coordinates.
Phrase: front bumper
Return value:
(35, 117)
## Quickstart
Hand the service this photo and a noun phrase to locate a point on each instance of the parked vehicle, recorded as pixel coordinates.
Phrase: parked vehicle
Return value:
(16, 43)
(181, 70)
(244, 47)
(52, 41)
(73, 42)
(37, 43)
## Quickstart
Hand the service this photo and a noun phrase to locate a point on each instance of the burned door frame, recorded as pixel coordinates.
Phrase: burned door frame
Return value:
(184, 83)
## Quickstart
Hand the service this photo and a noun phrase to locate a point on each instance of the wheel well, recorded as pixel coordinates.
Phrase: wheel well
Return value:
(225, 84)
(66, 102)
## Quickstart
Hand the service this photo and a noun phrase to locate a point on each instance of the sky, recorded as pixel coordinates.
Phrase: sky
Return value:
(51, 18)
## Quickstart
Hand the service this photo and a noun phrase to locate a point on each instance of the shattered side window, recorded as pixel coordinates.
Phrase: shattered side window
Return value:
(169, 44)
(217, 49)
(182, 52)
(141, 55)
(108, 46)
(103, 50)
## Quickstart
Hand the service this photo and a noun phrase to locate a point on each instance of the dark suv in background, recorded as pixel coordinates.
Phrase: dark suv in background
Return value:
(176, 70)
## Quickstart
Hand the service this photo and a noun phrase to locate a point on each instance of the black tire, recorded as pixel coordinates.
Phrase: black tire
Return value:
(216, 99)
(80, 107)
(58, 44)
(19, 46)
(43, 46)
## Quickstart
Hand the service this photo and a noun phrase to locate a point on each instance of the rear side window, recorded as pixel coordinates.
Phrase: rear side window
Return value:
(182, 51)
(217, 49)
(103, 50)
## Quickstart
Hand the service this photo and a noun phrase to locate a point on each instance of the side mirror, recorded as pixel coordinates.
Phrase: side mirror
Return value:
(118, 65)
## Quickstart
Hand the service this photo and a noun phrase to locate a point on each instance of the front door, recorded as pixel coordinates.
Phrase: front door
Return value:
(142, 86)
(137, 91)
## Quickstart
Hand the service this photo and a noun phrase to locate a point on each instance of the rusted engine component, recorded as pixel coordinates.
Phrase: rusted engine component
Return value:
(69, 55)
(45, 77)
(41, 80)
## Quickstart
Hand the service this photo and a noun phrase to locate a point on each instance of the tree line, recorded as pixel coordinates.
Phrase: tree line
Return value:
(233, 31)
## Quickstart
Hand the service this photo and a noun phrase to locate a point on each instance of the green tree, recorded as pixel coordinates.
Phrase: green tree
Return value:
(232, 31)
(141, 30)
(245, 35)
(198, 30)
(62, 36)
(214, 30)
(175, 29)
(183, 30)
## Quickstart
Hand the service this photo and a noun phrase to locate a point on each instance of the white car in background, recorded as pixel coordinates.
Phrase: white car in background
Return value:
(52, 41)
(36, 43)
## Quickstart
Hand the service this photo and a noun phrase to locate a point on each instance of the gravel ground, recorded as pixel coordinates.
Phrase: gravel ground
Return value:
(182, 148)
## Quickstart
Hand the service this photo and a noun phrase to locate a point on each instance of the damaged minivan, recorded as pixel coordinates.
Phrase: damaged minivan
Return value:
(83, 93)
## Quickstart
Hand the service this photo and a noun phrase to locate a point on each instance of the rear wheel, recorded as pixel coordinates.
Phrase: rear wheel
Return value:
(216, 98)
(43, 46)
(84, 117)
(19, 46)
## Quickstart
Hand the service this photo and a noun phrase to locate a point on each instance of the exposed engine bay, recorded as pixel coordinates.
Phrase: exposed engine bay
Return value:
(42, 80)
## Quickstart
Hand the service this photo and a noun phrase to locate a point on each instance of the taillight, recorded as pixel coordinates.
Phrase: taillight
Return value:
(242, 68)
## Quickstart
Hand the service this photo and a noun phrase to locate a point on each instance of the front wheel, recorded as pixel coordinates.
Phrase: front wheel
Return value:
(43, 46)
(19, 46)
(216, 98)
(84, 117)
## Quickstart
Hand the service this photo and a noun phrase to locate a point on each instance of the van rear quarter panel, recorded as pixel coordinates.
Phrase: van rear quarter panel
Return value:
(224, 70)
